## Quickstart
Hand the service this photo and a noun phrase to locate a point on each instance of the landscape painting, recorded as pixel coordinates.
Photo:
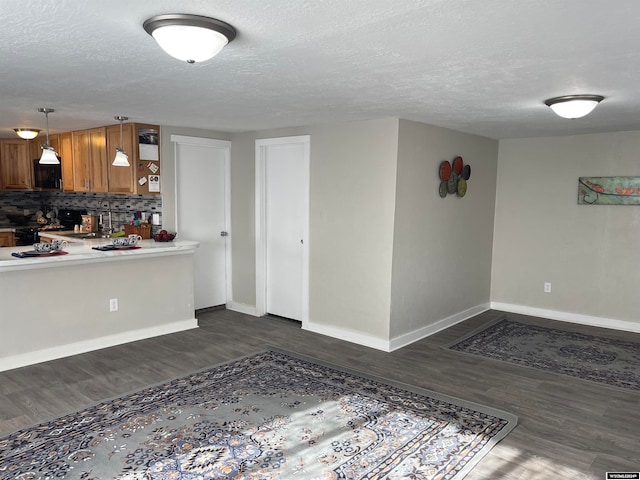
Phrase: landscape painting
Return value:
(609, 190)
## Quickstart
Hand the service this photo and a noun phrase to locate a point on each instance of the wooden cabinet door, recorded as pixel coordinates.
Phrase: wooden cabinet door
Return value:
(66, 159)
(16, 170)
(81, 160)
(7, 239)
(121, 178)
(98, 154)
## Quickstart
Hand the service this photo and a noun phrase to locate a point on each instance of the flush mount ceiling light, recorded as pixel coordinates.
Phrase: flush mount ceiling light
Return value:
(190, 38)
(27, 133)
(121, 159)
(49, 155)
(574, 106)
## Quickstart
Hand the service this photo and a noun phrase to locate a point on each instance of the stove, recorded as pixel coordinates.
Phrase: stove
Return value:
(28, 235)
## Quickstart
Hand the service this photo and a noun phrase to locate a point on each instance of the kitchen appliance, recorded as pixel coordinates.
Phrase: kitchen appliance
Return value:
(29, 235)
(26, 236)
(70, 218)
(47, 176)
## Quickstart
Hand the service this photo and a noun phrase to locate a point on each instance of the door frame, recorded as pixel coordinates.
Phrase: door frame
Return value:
(226, 146)
(260, 214)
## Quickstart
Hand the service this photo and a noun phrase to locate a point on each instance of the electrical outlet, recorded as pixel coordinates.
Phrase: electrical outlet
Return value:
(113, 305)
(547, 287)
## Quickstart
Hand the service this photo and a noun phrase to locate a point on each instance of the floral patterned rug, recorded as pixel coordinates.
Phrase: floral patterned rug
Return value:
(269, 415)
(615, 363)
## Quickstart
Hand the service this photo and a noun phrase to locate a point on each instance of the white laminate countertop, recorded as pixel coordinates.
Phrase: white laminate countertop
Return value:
(82, 253)
(7, 229)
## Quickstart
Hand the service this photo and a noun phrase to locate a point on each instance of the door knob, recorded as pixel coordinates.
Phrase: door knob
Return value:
(224, 234)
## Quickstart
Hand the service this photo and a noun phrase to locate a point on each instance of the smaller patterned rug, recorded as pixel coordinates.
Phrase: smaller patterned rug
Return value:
(615, 363)
(269, 415)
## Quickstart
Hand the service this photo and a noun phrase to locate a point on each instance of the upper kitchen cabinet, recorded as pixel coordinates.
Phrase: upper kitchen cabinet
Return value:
(62, 144)
(35, 145)
(121, 178)
(16, 171)
(65, 151)
(140, 142)
(90, 164)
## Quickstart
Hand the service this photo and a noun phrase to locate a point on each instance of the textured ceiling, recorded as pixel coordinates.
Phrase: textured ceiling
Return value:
(482, 67)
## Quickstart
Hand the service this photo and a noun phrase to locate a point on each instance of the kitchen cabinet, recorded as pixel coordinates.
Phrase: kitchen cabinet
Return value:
(16, 171)
(65, 150)
(140, 142)
(90, 167)
(7, 239)
(121, 178)
(35, 145)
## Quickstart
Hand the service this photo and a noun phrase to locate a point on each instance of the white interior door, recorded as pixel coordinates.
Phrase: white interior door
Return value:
(283, 203)
(284, 221)
(202, 213)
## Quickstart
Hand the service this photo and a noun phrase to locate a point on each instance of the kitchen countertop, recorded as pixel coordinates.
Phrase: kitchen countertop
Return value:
(82, 252)
(7, 229)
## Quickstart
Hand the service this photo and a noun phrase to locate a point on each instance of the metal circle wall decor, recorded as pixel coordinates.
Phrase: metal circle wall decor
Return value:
(453, 177)
(445, 170)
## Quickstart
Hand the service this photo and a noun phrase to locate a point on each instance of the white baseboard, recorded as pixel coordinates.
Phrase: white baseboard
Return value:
(428, 330)
(84, 346)
(242, 308)
(568, 317)
(400, 341)
(348, 335)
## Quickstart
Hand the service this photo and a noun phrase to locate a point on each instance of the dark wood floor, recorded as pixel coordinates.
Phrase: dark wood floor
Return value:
(567, 428)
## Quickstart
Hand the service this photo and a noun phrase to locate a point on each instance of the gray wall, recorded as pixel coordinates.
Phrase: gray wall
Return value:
(352, 198)
(590, 253)
(442, 246)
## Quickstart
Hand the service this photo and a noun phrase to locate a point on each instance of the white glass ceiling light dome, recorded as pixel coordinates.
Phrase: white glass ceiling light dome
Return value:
(49, 155)
(574, 106)
(27, 133)
(190, 38)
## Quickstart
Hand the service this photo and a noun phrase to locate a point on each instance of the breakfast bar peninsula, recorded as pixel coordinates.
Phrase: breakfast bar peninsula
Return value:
(61, 304)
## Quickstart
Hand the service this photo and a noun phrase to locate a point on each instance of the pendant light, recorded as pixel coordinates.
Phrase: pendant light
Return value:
(27, 133)
(190, 38)
(49, 155)
(574, 106)
(121, 159)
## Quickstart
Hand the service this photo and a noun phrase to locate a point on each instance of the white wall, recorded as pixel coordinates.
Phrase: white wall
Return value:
(590, 253)
(352, 198)
(442, 246)
(64, 309)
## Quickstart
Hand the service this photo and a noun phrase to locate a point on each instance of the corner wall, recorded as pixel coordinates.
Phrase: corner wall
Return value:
(590, 253)
(352, 198)
(442, 246)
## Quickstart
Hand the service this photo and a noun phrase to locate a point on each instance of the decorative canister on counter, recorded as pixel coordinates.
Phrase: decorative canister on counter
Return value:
(89, 223)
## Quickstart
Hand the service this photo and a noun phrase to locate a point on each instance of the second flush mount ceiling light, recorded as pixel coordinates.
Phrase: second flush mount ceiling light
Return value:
(574, 106)
(190, 38)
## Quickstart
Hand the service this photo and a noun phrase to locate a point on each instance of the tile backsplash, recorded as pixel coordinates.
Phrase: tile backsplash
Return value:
(122, 207)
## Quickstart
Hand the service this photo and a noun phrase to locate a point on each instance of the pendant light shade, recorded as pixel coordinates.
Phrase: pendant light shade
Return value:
(190, 38)
(574, 106)
(49, 155)
(121, 159)
(27, 133)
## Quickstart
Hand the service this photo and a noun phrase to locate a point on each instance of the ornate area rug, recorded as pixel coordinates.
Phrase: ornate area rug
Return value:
(615, 363)
(269, 415)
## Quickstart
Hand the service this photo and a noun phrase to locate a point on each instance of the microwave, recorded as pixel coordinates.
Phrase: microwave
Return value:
(47, 177)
